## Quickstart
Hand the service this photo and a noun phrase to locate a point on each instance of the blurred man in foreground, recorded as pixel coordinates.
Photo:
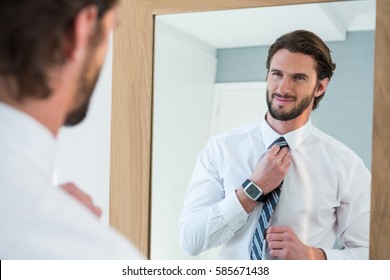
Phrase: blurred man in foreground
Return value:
(51, 53)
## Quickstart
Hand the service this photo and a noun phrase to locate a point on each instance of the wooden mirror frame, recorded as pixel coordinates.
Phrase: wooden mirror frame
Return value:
(132, 101)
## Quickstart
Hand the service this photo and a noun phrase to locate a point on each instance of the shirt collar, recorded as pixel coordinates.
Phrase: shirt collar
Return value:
(294, 138)
(28, 138)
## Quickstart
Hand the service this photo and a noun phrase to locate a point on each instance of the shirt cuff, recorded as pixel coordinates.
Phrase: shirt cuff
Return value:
(333, 254)
(233, 212)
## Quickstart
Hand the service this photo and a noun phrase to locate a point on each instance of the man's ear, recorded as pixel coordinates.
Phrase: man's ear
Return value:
(321, 87)
(83, 28)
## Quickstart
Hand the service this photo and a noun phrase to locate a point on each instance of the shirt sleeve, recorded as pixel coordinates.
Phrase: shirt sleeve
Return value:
(353, 216)
(210, 217)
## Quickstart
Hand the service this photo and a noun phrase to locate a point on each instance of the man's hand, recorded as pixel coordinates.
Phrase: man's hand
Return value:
(285, 244)
(272, 168)
(82, 197)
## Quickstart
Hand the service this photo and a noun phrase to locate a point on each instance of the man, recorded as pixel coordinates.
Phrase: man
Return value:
(294, 199)
(51, 53)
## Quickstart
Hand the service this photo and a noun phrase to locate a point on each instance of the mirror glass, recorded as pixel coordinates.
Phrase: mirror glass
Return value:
(209, 76)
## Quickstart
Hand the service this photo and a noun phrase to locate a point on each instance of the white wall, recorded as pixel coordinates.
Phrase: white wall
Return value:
(83, 155)
(184, 75)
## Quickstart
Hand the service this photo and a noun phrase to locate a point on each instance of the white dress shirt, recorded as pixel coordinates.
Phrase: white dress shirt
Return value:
(37, 219)
(325, 196)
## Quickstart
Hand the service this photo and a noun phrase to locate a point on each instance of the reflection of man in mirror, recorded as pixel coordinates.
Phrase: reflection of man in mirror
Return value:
(51, 53)
(281, 188)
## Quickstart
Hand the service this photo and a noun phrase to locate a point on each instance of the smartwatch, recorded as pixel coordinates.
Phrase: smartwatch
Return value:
(253, 191)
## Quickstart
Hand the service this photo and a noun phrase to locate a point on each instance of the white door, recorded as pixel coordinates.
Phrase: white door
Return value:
(235, 104)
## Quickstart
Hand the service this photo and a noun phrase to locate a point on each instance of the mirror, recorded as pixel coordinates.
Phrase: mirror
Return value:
(209, 76)
(131, 121)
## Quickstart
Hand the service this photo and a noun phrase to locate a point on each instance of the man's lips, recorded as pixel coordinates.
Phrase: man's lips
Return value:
(283, 99)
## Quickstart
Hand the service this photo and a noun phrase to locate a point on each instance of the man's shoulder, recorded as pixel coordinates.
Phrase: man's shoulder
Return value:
(239, 132)
(333, 145)
(35, 220)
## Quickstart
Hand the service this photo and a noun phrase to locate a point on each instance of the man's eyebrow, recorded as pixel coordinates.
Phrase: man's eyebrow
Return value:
(290, 74)
(300, 74)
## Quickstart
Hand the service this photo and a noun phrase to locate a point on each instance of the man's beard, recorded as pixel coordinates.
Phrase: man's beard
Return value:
(84, 92)
(296, 111)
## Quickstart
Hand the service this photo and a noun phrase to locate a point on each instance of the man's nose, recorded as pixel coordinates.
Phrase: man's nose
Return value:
(284, 86)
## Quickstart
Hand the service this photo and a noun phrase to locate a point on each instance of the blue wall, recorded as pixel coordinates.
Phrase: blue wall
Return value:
(347, 108)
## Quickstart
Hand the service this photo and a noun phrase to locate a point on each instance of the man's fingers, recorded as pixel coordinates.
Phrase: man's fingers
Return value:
(278, 253)
(274, 150)
(82, 197)
(278, 229)
(96, 210)
(73, 190)
(274, 237)
(275, 245)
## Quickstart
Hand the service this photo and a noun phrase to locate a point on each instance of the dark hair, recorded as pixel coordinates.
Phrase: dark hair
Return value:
(308, 43)
(31, 37)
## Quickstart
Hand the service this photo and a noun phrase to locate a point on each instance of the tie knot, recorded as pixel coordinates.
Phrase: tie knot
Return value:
(281, 142)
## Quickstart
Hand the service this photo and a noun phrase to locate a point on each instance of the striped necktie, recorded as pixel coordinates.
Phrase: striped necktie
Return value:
(270, 202)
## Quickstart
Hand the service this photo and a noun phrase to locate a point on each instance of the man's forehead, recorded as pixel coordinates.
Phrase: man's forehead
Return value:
(294, 62)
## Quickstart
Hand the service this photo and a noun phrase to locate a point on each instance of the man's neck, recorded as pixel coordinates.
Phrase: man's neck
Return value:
(284, 127)
(38, 109)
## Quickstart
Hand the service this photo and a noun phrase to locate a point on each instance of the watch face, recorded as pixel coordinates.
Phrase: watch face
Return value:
(253, 191)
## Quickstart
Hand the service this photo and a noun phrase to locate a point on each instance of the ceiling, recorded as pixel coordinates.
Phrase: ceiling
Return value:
(261, 26)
